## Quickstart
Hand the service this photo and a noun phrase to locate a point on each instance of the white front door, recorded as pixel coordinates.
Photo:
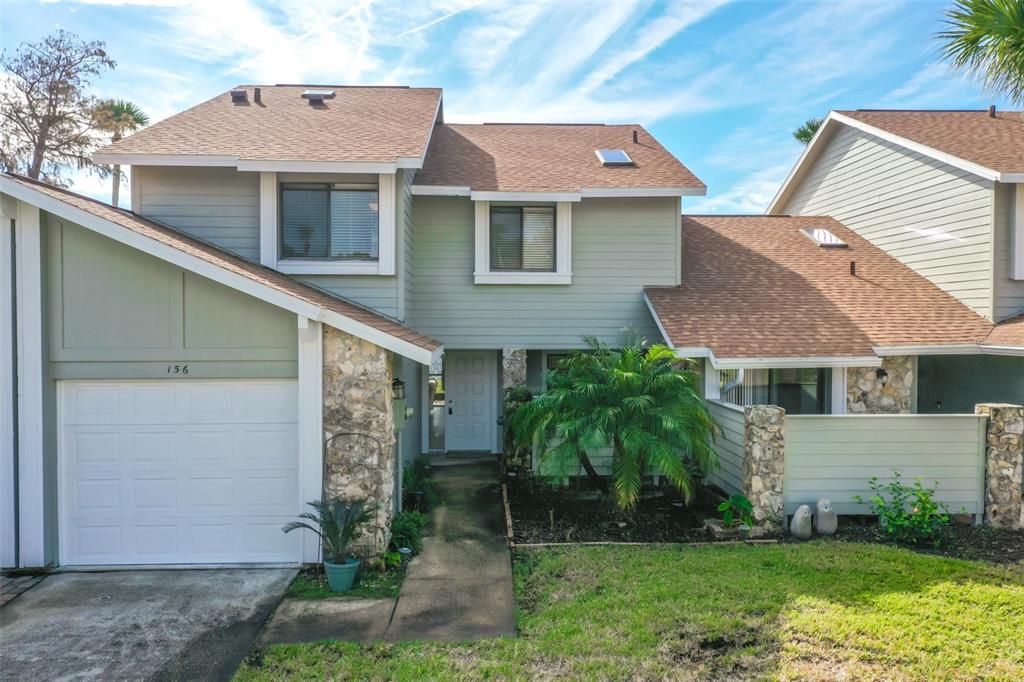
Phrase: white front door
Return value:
(178, 472)
(471, 390)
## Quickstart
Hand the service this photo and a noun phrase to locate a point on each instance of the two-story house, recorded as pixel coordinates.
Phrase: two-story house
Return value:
(943, 193)
(301, 265)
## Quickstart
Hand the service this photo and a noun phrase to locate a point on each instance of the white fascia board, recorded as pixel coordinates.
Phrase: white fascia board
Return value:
(522, 278)
(780, 363)
(657, 320)
(376, 168)
(1011, 177)
(950, 349)
(611, 192)
(215, 272)
(525, 196)
(123, 159)
(414, 162)
(440, 191)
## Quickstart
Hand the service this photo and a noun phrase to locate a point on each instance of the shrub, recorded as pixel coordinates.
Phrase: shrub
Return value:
(907, 513)
(644, 402)
(407, 531)
(514, 455)
(416, 479)
(737, 509)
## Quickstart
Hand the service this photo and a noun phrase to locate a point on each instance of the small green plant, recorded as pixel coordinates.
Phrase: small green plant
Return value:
(416, 479)
(907, 513)
(407, 531)
(336, 521)
(737, 509)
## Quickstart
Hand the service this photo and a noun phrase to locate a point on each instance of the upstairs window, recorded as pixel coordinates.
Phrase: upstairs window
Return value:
(522, 239)
(330, 222)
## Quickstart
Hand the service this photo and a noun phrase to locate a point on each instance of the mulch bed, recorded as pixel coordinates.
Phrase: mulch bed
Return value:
(541, 513)
(978, 543)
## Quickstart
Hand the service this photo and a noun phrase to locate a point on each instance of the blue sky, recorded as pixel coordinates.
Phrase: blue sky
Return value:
(721, 84)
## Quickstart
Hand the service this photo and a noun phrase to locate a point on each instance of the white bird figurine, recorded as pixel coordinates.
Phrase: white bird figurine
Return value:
(825, 520)
(800, 526)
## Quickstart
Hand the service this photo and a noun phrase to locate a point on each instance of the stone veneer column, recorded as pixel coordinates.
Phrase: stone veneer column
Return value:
(357, 400)
(887, 389)
(513, 367)
(764, 462)
(1004, 464)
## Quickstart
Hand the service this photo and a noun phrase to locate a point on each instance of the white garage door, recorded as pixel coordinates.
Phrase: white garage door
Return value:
(178, 472)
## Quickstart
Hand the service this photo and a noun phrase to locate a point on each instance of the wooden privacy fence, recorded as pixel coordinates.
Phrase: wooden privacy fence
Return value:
(833, 456)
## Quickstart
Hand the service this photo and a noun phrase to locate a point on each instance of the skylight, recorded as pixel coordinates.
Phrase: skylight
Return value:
(824, 238)
(614, 157)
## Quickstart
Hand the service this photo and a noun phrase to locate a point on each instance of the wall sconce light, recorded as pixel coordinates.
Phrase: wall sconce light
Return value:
(398, 390)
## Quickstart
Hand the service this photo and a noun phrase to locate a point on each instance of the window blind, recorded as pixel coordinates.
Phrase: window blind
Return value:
(325, 223)
(522, 238)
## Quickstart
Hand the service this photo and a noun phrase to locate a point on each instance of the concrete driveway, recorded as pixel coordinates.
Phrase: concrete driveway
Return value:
(138, 625)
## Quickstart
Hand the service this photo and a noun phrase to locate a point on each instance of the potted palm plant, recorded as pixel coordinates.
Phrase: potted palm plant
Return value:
(337, 522)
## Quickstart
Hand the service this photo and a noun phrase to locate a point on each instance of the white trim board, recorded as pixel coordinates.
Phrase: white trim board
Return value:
(216, 273)
(584, 193)
(258, 165)
(8, 514)
(482, 273)
(310, 427)
(835, 119)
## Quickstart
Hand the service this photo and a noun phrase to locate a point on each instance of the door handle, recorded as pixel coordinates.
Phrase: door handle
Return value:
(449, 410)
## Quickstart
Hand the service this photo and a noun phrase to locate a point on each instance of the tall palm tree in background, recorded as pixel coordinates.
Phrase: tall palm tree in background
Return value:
(986, 38)
(118, 117)
(805, 133)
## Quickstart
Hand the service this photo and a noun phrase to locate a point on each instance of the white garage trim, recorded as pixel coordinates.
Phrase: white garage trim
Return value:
(8, 534)
(178, 472)
(311, 432)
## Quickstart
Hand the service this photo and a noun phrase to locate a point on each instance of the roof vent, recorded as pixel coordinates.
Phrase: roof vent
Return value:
(823, 238)
(238, 96)
(316, 97)
(614, 157)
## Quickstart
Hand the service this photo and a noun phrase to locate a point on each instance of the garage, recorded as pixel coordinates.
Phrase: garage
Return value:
(177, 471)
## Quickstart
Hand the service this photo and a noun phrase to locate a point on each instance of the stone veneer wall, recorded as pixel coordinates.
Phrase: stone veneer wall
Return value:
(888, 389)
(764, 462)
(1004, 464)
(357, 400)
(513, 367)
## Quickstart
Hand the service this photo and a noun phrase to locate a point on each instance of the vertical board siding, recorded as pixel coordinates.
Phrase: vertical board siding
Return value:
(933, 217)
(1009, 293)
(729, 446)
(833, 456)
(619, 246)
(217, 205)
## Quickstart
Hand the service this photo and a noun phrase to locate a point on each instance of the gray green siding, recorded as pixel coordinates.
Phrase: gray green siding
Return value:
(933, 217)
(729, 446)
(218, 205)
(1009, 293)
(618, 247)
(950, 384)
(834, 456)
(116, 313)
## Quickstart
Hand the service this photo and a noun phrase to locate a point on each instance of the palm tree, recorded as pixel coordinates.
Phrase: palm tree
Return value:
(118, 117)
(805, 133)
(986, 38)
(641, 401)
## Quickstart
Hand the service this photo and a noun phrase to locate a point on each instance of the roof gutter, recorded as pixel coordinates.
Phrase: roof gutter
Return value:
(950, 349)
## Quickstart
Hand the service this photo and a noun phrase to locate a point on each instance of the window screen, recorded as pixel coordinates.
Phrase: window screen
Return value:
(324, 222)
(522, 238)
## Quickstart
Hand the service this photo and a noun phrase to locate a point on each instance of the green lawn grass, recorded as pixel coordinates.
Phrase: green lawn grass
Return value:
(371, 584)
(822, 610)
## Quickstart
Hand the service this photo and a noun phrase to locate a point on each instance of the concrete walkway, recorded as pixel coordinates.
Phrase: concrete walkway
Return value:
(460, 587)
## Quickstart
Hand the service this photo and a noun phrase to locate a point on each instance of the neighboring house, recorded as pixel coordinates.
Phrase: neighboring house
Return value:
(296, 260)
(318, 283)
(942, 192)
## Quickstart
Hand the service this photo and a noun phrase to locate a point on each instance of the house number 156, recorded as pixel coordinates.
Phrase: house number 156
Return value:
(177, 369)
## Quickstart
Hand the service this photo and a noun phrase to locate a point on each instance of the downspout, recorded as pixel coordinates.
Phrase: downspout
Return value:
(734, 383)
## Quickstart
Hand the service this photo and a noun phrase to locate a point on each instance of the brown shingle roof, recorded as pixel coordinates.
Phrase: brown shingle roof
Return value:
(757, 287)
(229, 261)
(995, 143)
(1009, 332)
(360, 124)
(547, 158)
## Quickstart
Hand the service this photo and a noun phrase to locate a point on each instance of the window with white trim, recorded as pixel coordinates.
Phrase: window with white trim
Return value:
(329, 222)
(523, 243)
(522, 239)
